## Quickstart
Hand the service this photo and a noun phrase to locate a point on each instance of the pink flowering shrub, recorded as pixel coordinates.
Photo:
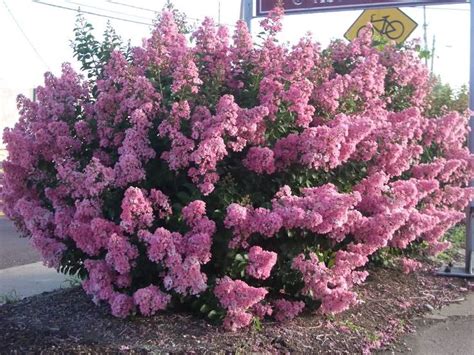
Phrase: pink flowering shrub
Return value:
(242, 180)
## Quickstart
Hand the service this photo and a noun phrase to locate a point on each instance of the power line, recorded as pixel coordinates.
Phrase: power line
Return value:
(103, 9)
(132, 6)
(157, 11)
(78, 10)
(25, 35)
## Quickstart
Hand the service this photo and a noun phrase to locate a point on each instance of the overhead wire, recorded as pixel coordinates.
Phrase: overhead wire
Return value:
(20, 28)
(131, 6)
(81, 5)
(79, 10)
(157, 11)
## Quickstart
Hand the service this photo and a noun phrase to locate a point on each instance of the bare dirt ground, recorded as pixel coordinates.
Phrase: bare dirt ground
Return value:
(67, 321)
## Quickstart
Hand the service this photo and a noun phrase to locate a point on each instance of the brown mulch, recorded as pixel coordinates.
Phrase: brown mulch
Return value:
(67, 321)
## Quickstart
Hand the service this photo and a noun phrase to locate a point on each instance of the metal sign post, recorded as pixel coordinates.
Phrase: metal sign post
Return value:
(470, 214)
(246, 12)
(306, 6)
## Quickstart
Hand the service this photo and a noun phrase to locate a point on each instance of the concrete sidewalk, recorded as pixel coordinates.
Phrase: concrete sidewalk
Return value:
(27, 280)
(448, 331)
(21, 272)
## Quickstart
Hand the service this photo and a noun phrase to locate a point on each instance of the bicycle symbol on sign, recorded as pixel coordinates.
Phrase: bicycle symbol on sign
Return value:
(383, 26)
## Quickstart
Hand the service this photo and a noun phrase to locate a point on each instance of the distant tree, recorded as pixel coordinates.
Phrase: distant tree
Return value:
(444, 98)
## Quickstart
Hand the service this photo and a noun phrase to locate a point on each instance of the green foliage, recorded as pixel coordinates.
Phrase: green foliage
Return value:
(457, 237)
(386, 257)
(207, 306)
(9, 297)
(72, 262)
(92, 53)
(257, 324)
(71, 281)
(444, 98)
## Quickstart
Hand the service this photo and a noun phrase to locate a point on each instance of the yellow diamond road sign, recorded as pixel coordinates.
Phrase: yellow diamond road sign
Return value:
(392, 24)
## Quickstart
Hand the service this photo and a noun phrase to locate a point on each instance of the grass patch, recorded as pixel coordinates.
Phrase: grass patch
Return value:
(9, 297)
(71, 281)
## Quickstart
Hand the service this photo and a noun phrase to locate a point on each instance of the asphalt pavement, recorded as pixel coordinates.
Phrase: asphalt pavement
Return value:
(14, 251)
(451, 333)
(448, 331)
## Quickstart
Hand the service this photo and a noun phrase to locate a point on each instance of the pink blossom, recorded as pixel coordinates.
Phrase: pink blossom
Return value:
(237, 297)
(185, 277)
(337, 300)
(261, 262)
(160, 202)
(410, 265)
(160, 243)
(121, 253)
(136, 210)
(99, 281)
(236, 294)
(273, 22)
(121, 305)
(150, 300)
(260, 160)
(287, 310)
(194, 211)
(261, 310)
(236, 319)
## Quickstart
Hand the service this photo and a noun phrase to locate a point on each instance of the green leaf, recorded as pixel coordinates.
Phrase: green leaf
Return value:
(213, 315)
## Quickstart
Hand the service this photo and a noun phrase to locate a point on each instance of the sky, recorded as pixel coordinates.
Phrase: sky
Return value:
(36, 38)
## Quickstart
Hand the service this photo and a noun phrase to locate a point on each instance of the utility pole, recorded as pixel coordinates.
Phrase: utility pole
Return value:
(246, 12)
(425, 34)
(433, 55)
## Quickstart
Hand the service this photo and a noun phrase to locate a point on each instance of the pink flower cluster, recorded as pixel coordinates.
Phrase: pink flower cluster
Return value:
(150, 300)
(261, 262)
(321, 210)
(325, 146)
(331, 285)
(183, 255)
(287, 310)
(237, 298)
